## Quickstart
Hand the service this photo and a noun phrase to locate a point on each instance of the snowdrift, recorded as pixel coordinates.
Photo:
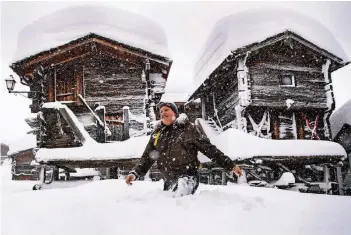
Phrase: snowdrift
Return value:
(241, 29)
(72, 23)
(240, 145)
(340, 117)
(111, 207)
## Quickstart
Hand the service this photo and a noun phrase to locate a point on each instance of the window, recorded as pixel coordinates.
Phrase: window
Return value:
(287, 80)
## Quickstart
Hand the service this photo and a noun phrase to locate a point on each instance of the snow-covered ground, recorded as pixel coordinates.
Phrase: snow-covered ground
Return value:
(111, 207)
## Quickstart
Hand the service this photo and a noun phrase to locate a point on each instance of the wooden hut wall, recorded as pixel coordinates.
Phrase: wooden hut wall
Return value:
(221, 93)
(114, 84)
(267, 67)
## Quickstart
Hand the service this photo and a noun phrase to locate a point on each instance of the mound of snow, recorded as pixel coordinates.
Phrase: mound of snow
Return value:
(238, 144)
(340, 117)
(26, 142)
(111, 207)
(72, 23)
(242, 29)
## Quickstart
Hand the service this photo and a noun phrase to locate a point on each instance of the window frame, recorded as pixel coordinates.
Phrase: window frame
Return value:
(293, 80)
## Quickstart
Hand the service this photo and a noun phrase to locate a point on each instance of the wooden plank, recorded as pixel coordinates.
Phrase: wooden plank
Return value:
(51, 84)
(273, 103)
(288, 67)
(72, 125)
(275, 134)
(91, 111)
(126, 51)
(283, 93)
(78, 75)
(50, 56)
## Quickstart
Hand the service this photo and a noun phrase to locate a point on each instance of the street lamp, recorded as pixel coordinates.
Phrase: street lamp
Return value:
(10, 84)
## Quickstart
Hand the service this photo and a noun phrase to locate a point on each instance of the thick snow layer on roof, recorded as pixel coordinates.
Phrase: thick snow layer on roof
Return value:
(72, 23)
(131, 148)
(340, 117)
(26, 142)
(242, 29)
(174, 97)
(238, 144)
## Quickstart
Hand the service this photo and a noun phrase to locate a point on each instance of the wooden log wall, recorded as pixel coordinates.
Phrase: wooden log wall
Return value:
(114, 84)
(225, 89)
(266, 90)
(267, 65)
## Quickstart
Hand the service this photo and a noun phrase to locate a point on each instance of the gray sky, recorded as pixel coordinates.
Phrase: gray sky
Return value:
(187, 25)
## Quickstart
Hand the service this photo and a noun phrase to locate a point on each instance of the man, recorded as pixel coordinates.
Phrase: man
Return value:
(174, 144)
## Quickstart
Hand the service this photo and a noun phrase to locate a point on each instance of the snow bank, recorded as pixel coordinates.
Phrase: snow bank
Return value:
(234, 143)
(72, 23)
(242, 29)
(131, 148)
(111, 207)
(339, 117)
(26, 142)
(238, 144)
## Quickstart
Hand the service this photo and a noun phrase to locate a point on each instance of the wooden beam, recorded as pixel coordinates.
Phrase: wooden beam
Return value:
(73, 58)
(275, 125)
(287, 34)
(316, 48)
(120, 48)
(290, 67)
(49, 55)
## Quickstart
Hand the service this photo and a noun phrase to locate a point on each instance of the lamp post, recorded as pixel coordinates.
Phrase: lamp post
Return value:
(10, 85)
(39, 94)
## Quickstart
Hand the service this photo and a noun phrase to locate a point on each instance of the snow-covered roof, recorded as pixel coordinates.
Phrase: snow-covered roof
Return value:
(26, 142)
(65, 25)
(174, 97)
(242, 29)
(238, 144)
(340, 117)
(131, 148)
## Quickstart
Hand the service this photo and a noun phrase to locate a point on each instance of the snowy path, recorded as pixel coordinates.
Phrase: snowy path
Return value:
(111, 207)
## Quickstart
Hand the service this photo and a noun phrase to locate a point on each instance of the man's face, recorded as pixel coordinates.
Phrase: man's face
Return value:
(167, 115)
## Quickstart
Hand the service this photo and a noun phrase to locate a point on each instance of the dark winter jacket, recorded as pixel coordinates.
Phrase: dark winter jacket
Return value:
(176, 149)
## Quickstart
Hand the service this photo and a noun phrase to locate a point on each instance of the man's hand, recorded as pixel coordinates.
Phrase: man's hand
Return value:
(237, 170)
(130, 178)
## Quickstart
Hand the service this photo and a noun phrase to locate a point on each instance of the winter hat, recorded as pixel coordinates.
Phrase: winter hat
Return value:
(170, 105)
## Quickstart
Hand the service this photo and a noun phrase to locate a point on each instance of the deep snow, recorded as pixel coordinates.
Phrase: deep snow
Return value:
(111, 207)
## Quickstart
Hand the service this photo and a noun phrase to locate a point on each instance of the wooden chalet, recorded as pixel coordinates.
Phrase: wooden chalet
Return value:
(90, 73)
(278, 88)
(24, 166)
